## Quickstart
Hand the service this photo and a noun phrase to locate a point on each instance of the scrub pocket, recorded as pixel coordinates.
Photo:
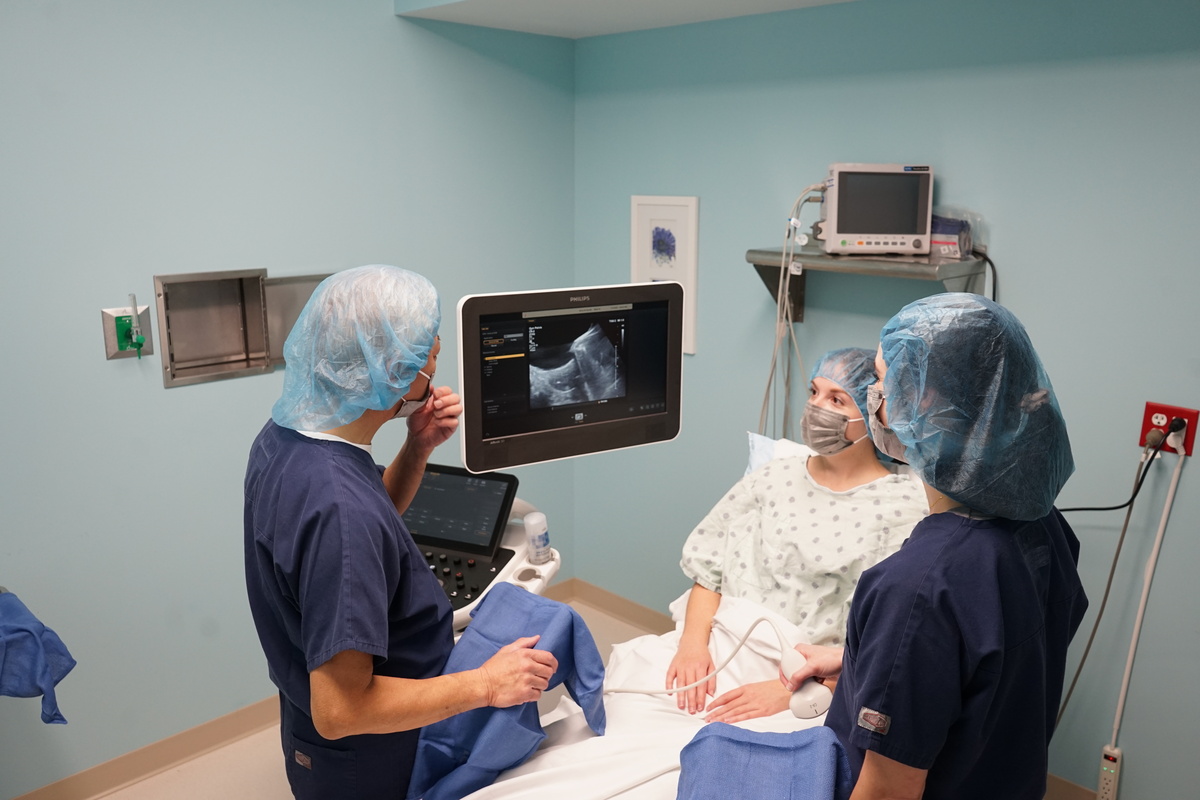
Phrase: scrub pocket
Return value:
(316, 772)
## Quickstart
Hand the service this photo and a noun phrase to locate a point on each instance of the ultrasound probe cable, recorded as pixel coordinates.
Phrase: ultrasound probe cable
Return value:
(783, 647)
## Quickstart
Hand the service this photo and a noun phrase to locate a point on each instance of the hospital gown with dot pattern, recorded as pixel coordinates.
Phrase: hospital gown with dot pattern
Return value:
(782, 540)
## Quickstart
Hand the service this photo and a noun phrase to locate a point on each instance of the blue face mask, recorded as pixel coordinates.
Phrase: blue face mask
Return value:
(884, 437)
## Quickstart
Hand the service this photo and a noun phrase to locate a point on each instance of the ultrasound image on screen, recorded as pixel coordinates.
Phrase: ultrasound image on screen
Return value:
(588, 369)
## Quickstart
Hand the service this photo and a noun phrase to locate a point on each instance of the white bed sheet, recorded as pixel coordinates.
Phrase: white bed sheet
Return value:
(638, 757)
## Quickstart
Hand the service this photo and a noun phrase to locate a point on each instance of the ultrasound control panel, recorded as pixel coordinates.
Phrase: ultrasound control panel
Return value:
(470, 528)
(463, 576)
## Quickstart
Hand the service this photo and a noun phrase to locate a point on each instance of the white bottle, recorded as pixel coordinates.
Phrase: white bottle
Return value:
(538, 537)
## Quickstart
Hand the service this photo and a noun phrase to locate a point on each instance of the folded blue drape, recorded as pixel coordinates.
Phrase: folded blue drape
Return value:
(32, 657)
(727, 761)
(466, 752)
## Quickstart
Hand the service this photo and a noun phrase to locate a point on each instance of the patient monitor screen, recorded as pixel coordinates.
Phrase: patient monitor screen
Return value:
(551, 380)
(881, 203)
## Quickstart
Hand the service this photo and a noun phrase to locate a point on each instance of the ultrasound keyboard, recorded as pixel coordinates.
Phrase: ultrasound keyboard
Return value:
(464, 576)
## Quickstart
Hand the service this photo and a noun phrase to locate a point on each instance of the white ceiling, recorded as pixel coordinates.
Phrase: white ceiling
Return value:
(576, 19)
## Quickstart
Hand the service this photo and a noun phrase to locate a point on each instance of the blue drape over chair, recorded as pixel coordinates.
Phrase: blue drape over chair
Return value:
(32, 657)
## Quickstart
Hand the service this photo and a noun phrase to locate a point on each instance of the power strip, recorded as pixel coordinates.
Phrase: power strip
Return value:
(1110, 773)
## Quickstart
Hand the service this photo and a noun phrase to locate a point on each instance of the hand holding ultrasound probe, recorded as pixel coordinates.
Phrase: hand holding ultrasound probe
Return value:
(810, 698)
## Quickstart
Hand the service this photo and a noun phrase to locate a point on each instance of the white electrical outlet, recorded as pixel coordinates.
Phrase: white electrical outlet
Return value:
(1110, 773)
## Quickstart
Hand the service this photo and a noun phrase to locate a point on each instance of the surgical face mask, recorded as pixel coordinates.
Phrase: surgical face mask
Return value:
(407, 407)
(884, 437)
(824, 431)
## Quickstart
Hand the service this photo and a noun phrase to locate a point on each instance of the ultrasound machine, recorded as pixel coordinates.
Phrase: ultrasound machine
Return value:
(547, 374)
(471, 530)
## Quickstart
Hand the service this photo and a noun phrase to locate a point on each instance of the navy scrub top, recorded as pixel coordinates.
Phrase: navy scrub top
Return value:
(330, 566)
(956, 651)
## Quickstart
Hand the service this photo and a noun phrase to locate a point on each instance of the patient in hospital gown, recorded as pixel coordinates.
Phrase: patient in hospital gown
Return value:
(795, 535)
(788, 543)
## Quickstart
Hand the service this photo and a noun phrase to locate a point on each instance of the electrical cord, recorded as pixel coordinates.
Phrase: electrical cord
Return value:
(995, 275)
(1137, 487)
(1139, 476)
(1147, 577)
(1147, 458)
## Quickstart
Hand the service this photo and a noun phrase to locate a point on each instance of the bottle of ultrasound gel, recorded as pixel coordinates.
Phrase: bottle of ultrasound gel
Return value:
(538, 537)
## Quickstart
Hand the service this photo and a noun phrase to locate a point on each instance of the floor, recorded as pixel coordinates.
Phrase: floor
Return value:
(253, 767)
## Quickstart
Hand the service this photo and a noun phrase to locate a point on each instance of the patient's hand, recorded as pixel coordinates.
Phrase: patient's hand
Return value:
(691, 663)
(749, 701)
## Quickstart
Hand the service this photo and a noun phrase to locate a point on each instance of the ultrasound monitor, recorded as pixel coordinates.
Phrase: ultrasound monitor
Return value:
(552, 374)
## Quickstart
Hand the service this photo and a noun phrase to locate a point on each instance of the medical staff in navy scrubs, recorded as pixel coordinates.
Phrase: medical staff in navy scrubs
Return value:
(950, 680)
(355, 628)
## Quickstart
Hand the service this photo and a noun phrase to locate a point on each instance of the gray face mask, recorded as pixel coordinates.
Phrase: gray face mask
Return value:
(407, 407)
(884, 437)
(824, 431)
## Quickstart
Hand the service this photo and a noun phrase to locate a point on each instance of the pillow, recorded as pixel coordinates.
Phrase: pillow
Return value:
(764, 448)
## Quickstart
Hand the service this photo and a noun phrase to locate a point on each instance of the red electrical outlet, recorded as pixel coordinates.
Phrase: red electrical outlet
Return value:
(1159, 416)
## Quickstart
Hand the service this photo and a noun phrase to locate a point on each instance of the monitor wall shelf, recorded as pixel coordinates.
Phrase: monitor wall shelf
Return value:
(956, 274)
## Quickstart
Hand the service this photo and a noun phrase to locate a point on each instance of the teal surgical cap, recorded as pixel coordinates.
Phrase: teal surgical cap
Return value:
(967, 396)
(853, 369)
(357, 345)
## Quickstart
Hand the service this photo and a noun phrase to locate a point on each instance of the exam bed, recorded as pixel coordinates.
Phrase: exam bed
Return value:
(638, 756)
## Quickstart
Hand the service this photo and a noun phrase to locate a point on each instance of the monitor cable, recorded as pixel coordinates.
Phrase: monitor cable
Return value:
(785, 332)
(995, 276)
(1155, 441)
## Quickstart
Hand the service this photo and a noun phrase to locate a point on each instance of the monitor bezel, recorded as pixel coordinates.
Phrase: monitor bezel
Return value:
(482, 455)
(910, 243)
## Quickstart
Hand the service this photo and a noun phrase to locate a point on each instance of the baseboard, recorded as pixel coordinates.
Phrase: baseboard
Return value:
(106, 778)
(1060, 789)
(613, 604)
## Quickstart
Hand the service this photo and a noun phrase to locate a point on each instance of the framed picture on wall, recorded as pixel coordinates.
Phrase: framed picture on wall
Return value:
(663, 237)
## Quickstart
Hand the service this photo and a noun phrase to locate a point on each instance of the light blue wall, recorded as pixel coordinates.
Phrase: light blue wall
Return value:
(1070, 126)
(143, 137)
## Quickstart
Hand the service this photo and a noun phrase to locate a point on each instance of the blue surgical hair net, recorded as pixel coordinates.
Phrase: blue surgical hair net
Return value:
(357, 345)
(853, 369)
(967, 396)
